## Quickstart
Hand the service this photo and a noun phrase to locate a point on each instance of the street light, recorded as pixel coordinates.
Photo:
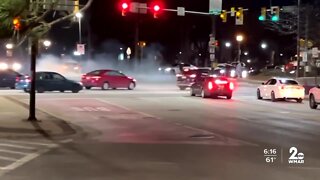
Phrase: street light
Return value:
(246, 53)
(228, 44)
(264, 45)
(79, 16)
(46, 43)
(239, 38)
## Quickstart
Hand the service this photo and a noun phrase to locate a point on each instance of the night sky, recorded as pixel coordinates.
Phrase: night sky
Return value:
(172, 32)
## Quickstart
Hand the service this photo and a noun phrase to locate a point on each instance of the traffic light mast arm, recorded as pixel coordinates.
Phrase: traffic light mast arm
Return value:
(197, 12)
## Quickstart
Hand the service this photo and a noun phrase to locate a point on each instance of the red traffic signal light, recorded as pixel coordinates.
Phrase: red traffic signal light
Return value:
(156, 7)
(124, 6)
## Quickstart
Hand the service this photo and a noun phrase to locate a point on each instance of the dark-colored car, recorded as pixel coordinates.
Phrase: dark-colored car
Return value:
(187, 77)
(8, 78)
(49, 81)
(106, 79)
(210, 86)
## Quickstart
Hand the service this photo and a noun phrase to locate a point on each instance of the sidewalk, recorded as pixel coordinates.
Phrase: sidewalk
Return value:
(14, 124)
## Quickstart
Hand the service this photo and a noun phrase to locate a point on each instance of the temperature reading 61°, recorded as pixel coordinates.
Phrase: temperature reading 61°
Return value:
(270, 155)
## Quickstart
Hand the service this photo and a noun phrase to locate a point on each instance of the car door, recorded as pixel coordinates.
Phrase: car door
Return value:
(264, 92)
(59, 82)
(271, 87)
(122, 80)
(198, 82)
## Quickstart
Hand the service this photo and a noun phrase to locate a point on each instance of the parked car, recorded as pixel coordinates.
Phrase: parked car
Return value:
(314, 97)
(9, 77)
(107, 78)
(281, 88)
(49, 81)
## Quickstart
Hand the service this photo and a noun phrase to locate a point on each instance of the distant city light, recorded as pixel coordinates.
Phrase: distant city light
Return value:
(228, 44)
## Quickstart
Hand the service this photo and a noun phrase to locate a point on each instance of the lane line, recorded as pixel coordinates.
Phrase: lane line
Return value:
(24, 160)
(13, 152)
(16, 146)
(30, 143)
(8, 158)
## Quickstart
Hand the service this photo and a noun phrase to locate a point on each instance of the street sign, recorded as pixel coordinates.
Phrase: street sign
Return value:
(181, 11)
(80, 49)
(305, 57)
(212, 50)
(143, 8)
(215, 7)
(315, 52)
(233, 11)
(134, 7)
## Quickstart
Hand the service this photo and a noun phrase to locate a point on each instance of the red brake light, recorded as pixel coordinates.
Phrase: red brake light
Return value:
(210, 85)
(231, 86)
(17, 79)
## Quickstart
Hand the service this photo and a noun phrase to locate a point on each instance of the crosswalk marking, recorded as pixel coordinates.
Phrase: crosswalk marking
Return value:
(13, 152)
(30, 143)
(8, 158)
(16, 146)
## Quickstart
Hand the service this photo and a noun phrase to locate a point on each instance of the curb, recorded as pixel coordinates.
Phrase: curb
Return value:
(68, 129)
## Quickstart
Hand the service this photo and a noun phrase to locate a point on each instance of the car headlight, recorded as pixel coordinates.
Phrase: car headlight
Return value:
(159, 69)
(16, 66)
(233, 73)
(167, 69)
(3, 66)
(244, 74)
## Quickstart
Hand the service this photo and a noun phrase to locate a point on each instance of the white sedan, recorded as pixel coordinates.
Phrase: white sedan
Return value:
(314, 97)
(281, 88)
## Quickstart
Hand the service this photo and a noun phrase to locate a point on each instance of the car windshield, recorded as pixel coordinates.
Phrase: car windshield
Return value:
(288, 82)
(95, 73)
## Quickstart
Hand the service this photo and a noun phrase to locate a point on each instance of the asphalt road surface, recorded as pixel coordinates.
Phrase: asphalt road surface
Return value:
(159, 132)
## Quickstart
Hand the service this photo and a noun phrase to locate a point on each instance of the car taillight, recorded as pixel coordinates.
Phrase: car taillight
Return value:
(210, 85)
(28, 79)
(83, 76)
(218, 81)
(231, 86)
(193, 75)
(96, 77)
(17, 79)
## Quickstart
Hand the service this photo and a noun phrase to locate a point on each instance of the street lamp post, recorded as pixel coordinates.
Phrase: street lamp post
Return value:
(79, 16)
(239, 38)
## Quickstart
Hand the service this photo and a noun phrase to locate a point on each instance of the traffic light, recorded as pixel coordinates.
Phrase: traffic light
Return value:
(156, 9)
(263, 15)
(223, 16)
(124, 8)
(275, 12)
(239, 16)
(16, 23)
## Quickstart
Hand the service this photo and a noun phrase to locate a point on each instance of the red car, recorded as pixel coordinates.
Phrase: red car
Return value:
(209, 86)
(107, 79)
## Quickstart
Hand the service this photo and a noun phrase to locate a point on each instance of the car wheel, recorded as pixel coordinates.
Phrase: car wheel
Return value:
(75, 90)
(192, 92)
(312, 102)
(182, 88)
(203, 94)
(299, 100)
(88, 87)
(40, 90)
(62, 91)
(259, 94)
(131, 86)
(105, 86)
(229, 96)
(273, 97)
(12, 87)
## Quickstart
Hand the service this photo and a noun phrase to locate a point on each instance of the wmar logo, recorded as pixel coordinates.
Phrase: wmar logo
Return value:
(295, 158)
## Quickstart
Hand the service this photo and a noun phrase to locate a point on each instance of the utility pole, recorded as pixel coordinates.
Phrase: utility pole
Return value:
(306, 42)
(298, 40)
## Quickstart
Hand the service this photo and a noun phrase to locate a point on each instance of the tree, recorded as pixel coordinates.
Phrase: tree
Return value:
(22, 19)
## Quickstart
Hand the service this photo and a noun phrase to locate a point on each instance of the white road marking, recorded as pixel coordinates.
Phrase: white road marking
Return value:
(30, 143)
(16, 146)
(8, 158)
(13, 152)
(24, 160)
